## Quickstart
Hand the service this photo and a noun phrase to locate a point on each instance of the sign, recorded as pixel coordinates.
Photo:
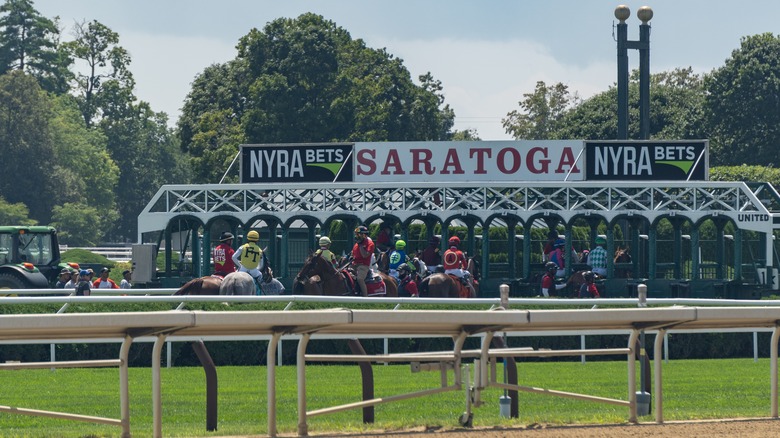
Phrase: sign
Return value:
(647, 160)
(305, 163)
(469, 161)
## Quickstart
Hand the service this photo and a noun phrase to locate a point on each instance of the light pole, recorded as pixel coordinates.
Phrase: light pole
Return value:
(645, 14)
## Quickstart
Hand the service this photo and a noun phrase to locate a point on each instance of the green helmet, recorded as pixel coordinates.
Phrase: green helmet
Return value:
(400, 244)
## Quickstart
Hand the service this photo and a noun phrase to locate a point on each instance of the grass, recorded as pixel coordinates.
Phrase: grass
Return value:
(693, 389)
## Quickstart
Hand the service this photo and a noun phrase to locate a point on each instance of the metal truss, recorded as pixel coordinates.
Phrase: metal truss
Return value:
(526, 200)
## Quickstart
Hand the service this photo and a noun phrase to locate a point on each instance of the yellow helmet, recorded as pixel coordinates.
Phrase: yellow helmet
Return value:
(253, 236)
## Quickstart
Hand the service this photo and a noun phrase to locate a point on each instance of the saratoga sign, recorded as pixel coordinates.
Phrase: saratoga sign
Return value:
(469, 161)
(475, 161)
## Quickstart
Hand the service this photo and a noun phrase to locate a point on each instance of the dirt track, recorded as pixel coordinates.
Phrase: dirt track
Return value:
(689, 429)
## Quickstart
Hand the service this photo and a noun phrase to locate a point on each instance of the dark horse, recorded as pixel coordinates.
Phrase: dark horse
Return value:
(235, 283)
(441, 285)
(319, 277)
(622, 258)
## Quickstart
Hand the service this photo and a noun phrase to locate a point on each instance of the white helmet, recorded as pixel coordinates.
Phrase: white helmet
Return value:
(324, 241)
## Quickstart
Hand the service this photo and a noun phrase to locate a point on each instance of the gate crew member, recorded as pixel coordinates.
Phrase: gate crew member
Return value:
(361, 257)
(223, 255)
(249, 257)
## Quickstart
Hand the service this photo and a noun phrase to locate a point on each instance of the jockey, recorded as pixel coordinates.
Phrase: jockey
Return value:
(362, 252)
(406, 282)
(431, 255)
(249, 257)
(589, 289)
(398, 258)
(597, 258)
(384, 240)
(548, 280)
(325, 251)
(455, 263)
(557, 256)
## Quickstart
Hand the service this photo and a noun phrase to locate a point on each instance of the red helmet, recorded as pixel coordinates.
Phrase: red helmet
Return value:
(454, 241)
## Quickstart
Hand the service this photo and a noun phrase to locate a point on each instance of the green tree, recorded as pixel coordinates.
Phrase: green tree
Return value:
(148, 156)
(306, 80)
(742, 104)
(676, 110)
(30, 42)
(15, 214)
(540, 112)
(26, 145)
(98, 47)
(85, 174)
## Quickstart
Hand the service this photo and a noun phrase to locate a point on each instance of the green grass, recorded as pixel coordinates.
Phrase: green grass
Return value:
(695, 389)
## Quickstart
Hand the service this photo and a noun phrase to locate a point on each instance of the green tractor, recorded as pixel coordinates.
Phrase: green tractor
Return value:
(29, 257)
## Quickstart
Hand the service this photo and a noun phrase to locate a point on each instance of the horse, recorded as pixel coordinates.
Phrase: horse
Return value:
(235, 283)
(623, 257)
(319, 277)
(441, 285)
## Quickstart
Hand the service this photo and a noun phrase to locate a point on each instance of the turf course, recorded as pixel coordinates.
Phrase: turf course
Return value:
(693, 389)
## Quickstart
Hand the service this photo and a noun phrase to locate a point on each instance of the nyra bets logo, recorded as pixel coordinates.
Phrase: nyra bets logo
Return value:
(296, 163)
(646, 160)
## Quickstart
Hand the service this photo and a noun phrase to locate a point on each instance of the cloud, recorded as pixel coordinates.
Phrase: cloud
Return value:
(484, 80)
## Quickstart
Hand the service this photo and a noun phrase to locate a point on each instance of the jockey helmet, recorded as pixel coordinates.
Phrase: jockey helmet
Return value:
(434, 240)
(601, 241)
(588, 276)
(559, 243)
(253, 236)
(324, 241)
(400, 244)
(361, 230)
(404, 267)
(551, 267)
(454, 241)
(226, 235)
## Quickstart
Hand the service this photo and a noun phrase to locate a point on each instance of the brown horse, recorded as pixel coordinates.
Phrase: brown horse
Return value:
(235, 283)
(622, 258)
(441, 285)
(319, 277)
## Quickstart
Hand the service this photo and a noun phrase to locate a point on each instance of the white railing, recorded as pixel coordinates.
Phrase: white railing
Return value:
(165, 295)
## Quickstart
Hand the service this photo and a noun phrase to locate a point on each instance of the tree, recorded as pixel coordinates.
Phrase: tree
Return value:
(85, 174)
(676, 110)
(26, 145)
(742, 105)
(147, 154)
(540, 112)
(15, 214)
(29, 42)
(306, 80)
(98, 47)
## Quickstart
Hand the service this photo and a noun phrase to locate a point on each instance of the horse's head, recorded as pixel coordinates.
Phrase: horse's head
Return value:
(622, 255)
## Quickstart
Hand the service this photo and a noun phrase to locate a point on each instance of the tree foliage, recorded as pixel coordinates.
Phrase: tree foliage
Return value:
(306, 80)
(29, 42)
(98, 48)
(26, 145)
(743, 103)
(541, 112)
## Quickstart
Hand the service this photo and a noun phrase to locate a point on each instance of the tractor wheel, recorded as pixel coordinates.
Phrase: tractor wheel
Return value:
(8, 281)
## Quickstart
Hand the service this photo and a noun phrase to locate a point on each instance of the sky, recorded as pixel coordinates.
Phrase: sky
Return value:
(486, 53)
